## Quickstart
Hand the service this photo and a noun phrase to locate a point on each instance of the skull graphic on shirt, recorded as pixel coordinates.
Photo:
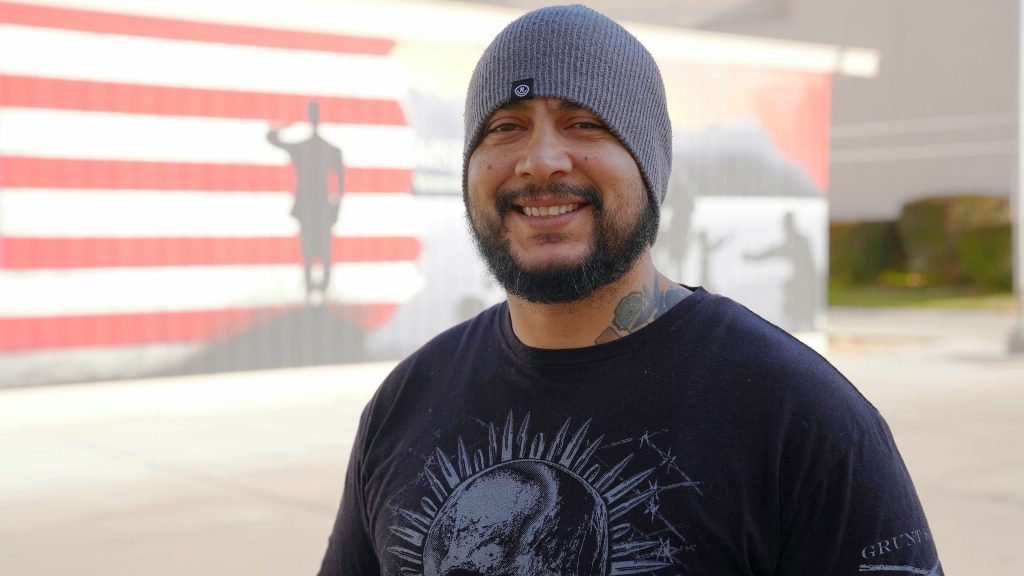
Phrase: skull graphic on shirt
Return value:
(520, 518)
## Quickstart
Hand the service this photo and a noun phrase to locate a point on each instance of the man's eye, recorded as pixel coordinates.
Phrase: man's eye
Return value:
(505, 127)
(588, 125)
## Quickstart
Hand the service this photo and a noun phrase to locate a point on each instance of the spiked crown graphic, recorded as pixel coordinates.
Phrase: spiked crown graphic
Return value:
(526, 507)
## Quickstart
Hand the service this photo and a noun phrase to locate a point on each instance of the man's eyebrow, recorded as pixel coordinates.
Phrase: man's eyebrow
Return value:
(566, 106)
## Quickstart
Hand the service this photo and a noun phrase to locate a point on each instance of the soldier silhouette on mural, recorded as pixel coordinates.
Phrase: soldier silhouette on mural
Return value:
(802, 287)
(320, 181)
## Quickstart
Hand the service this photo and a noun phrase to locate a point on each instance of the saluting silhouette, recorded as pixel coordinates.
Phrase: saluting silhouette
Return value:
(317, 198)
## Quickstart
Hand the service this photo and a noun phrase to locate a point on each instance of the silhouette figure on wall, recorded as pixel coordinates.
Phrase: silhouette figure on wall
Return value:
(678, 206)
(802, 287)
(707, 250)
(320, 182)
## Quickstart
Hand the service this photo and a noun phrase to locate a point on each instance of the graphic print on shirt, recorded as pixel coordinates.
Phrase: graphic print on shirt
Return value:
(935, 571)
(894, 544)
(529, 506)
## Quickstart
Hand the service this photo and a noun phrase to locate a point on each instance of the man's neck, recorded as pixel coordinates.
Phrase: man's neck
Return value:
(640, 297)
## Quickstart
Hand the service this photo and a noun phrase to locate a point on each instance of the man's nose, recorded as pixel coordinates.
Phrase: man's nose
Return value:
(545, 157)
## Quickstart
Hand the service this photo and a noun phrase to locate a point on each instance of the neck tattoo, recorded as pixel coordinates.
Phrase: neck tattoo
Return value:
(640, 308)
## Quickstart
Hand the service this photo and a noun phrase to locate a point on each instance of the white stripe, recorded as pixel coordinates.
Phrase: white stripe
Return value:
(107, 136)
(178, 289)
(54, 53)
(144, 214)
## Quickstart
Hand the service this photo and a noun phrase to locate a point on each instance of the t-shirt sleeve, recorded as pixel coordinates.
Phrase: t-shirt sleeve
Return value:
(863, 516)
(350, 550)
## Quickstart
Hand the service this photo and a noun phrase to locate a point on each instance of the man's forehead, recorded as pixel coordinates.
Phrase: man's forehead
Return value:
(557, 104)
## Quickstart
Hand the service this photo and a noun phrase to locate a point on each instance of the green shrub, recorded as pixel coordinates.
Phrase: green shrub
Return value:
(943, 241)
(985, 255)
(931, 231)
(922, 229)
(860, 251)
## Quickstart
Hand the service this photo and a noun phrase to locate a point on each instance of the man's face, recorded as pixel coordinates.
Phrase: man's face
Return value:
(557, 203)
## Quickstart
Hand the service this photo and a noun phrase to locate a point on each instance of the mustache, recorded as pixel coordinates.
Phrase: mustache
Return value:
(506, 199)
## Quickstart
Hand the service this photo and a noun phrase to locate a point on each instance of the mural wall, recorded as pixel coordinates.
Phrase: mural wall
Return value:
(746, 215)
(181, 196)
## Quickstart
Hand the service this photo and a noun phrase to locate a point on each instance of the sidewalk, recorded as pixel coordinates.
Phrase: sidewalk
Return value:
(241, 473)
(222, 474)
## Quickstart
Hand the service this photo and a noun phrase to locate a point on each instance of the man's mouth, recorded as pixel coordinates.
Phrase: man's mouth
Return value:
(549, 211)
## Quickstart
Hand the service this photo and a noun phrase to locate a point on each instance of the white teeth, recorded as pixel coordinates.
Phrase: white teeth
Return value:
(549, 211)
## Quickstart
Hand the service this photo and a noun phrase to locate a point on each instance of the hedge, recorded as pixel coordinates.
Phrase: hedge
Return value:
(931, 230)
(860, 251)
(985, 255)
(953, 240)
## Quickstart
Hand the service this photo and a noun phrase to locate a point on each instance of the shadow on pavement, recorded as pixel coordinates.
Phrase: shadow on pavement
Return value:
(307, 337)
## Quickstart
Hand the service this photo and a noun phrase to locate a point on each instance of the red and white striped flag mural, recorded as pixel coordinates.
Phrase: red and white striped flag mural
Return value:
(141, 203)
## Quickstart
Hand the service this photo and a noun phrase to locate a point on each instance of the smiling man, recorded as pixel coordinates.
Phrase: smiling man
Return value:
(606, 420)
(561, 214)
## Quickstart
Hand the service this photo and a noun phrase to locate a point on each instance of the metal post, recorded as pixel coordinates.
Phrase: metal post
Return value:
(1017, 204)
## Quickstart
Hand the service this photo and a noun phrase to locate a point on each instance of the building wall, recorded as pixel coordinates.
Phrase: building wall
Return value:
(940, 118)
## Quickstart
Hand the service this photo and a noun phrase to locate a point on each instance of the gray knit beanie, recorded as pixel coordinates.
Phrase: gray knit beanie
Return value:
(576, 54)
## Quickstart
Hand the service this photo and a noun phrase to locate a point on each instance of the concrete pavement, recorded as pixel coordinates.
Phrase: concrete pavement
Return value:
(241, 473)
(225, 474)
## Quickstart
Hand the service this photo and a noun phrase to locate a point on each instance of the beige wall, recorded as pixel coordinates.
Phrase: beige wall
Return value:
(941, 116)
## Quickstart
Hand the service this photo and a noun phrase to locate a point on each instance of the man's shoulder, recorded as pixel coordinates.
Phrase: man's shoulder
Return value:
(768, 363)
(788, 400)
(443, 355)
(466, 338)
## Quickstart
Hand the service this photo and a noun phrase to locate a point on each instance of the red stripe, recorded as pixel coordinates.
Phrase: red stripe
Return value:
(19, 172)
(152, 328)
(36, 253)
(173, 29)
(123, 329)
(135, 99)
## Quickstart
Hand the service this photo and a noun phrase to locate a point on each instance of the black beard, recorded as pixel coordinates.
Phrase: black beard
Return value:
(613, 251)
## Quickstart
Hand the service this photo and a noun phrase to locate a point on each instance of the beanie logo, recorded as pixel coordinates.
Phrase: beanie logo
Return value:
(522, 89)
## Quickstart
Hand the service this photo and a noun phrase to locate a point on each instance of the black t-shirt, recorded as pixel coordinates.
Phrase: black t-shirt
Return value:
(708, 442)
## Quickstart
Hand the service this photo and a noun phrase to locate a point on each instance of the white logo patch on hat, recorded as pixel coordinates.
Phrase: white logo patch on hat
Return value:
(522, 89)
